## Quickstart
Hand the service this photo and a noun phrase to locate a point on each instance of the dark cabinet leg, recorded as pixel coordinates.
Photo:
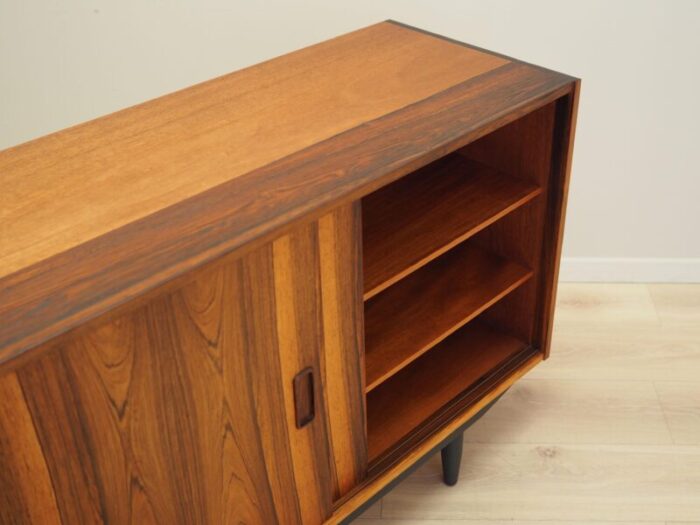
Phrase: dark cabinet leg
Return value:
(451, 459)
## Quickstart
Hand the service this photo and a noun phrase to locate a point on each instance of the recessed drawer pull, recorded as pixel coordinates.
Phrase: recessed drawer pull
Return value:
(304, 405)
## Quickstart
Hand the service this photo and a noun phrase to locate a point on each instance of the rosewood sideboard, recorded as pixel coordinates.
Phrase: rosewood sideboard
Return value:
(267, 297)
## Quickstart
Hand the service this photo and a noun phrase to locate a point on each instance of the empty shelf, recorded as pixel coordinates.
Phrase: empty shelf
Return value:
(418, 312)
(418, 392)
(412, 221)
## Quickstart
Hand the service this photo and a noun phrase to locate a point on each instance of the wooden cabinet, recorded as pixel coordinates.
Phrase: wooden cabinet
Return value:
(264, 299)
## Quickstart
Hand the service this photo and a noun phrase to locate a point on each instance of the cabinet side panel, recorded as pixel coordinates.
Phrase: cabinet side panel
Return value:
(341, 288)
(564, 134)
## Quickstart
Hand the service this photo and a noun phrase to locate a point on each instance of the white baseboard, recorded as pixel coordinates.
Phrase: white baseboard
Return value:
(630, 270)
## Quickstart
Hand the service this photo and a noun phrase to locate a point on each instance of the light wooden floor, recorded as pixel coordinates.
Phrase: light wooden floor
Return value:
(606, 431)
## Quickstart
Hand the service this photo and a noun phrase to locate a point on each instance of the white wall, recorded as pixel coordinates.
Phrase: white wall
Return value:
(634, 209)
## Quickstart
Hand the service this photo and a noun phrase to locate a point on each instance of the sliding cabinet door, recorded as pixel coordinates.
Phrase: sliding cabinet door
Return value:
(190, 407)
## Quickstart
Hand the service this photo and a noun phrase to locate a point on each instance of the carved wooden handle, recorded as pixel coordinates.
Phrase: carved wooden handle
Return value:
(304, 404)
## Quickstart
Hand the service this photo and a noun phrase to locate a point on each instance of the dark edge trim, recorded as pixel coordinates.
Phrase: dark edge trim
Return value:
(56, 295)
(422, 460)
(559, 181)
(477, 48)
(358, 322)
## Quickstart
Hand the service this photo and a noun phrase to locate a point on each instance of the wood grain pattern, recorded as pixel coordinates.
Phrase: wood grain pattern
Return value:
(63, 190)
(418, 312)
(61, 292)
(343, 360)
(415, 219)
(418, 392)
(24, 477)
(180, 411)
(300, 345)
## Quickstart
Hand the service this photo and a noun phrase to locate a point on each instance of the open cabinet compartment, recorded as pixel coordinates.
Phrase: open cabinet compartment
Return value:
(453, 264)
(456, 371)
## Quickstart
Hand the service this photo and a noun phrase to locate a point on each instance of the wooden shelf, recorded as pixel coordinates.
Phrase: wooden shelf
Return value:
(410, 222)
(418, 312)
(419, 392)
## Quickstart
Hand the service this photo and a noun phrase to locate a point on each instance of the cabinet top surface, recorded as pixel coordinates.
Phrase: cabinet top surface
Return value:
(205, 170)
(67, 188)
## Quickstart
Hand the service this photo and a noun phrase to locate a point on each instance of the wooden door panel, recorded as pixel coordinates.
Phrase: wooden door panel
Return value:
(343, 355)
(182, 410)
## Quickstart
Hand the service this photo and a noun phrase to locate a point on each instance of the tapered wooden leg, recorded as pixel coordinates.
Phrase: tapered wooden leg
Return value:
(451, 459)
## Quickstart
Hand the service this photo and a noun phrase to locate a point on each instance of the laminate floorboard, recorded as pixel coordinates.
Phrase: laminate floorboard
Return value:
(680, 402)
(388, 521)
(575, 412)
(587, 483)
(677, 304)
